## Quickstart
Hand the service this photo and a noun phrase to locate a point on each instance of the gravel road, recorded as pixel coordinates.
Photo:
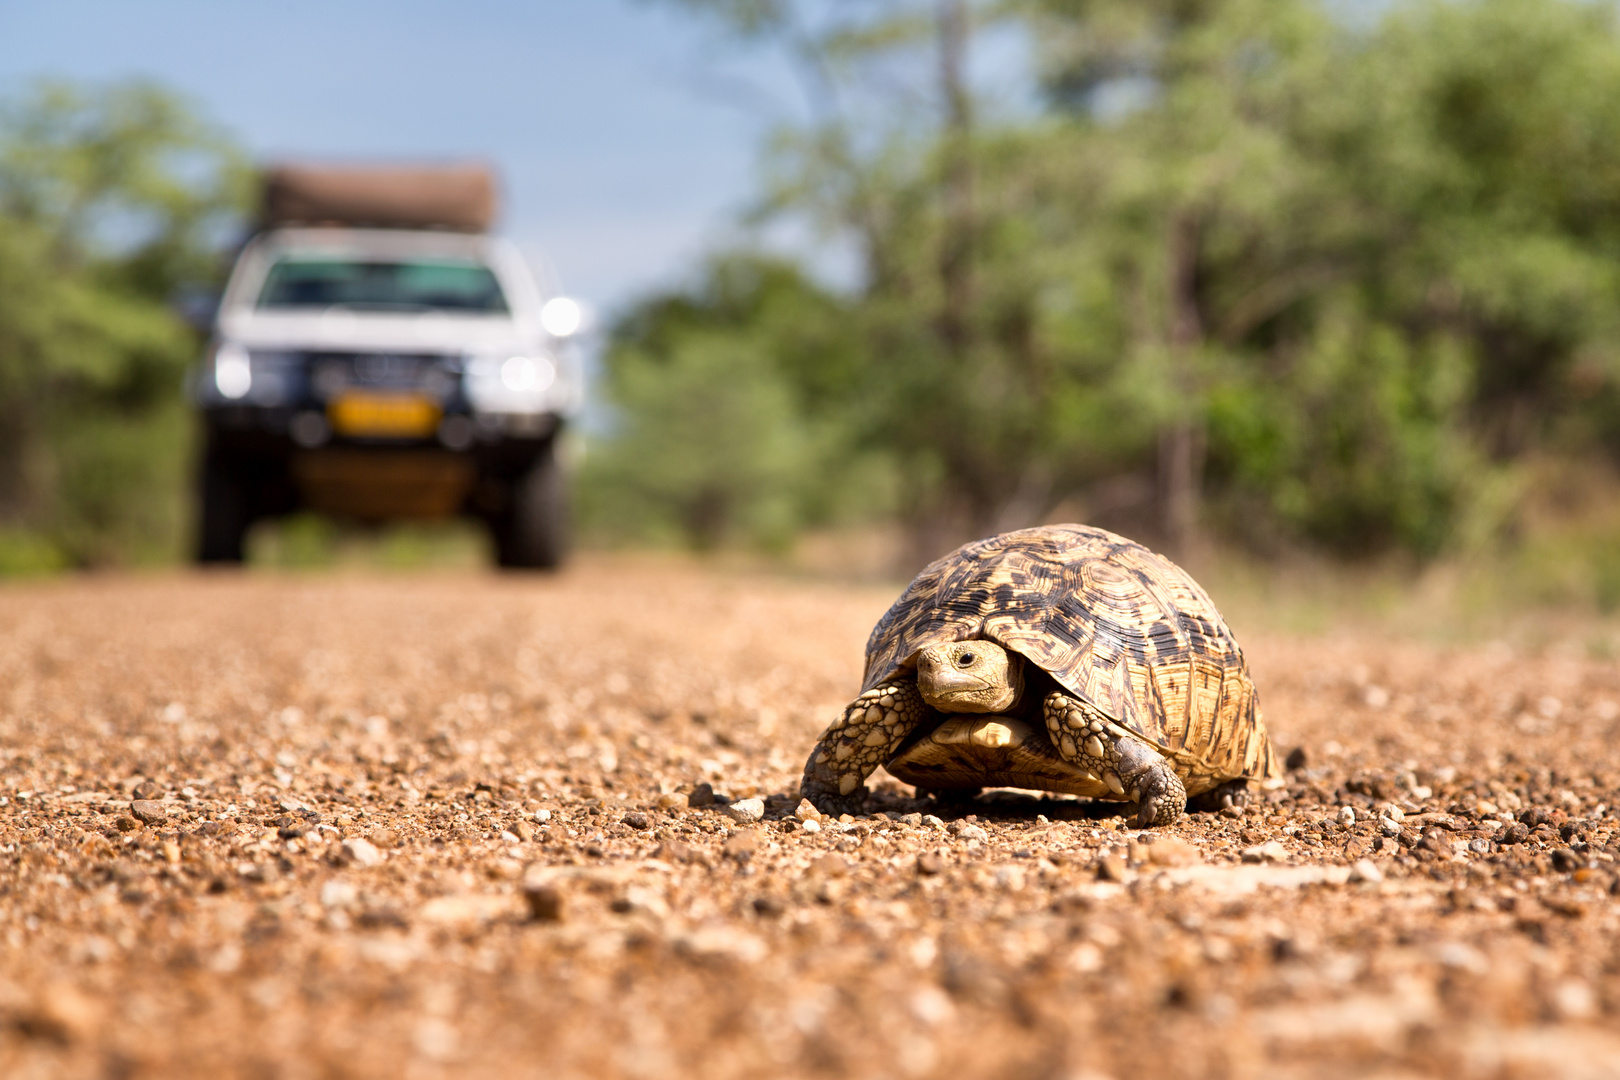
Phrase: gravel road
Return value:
(335, 826)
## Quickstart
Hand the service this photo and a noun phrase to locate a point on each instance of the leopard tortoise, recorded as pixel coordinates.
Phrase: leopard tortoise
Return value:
(1062, 658)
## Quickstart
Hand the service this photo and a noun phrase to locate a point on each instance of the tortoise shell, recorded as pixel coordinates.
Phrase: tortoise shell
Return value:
(1113, 623)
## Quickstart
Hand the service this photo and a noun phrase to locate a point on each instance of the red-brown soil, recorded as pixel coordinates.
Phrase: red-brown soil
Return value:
(346, 872)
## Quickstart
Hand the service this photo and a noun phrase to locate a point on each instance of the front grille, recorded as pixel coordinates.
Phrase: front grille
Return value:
(333, 373)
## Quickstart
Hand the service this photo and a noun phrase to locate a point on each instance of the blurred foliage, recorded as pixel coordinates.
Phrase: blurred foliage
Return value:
(112, 200)
(308, 541)
(734, 423)
(1294, 279)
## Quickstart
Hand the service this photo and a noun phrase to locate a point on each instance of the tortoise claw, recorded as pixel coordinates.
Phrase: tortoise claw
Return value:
(833, 803)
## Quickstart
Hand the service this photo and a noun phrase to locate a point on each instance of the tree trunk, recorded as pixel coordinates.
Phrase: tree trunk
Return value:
(956, 245)
(1182, 441)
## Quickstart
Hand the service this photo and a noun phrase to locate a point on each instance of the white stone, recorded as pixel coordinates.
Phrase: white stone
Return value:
(746, 811)
(1366, 870)
(360, 852)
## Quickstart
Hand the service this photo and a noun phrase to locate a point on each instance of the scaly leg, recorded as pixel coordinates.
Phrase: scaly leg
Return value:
(1130, 767)
(867, 735)
(1231, 793)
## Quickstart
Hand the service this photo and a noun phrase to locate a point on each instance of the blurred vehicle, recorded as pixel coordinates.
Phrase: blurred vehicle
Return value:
(377, 356)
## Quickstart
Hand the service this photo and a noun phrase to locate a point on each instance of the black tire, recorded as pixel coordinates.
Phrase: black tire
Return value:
(224, 511)
(533, 533)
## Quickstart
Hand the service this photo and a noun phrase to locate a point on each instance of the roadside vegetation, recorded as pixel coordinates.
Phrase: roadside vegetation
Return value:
(113, 203)
(1263, 281)
(1253, 276)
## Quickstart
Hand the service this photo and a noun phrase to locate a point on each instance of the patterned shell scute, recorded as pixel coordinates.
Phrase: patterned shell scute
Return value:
(1111, 621)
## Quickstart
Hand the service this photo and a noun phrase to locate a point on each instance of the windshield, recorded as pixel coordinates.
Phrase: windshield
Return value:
(320, 281)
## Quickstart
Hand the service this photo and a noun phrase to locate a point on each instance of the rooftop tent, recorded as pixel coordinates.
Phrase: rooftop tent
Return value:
(457, 197)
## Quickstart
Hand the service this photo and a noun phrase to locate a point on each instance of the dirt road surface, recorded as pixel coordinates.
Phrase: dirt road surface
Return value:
(286, 827)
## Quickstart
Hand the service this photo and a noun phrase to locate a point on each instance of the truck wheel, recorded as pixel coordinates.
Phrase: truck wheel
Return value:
(223, 515)
(533, 534)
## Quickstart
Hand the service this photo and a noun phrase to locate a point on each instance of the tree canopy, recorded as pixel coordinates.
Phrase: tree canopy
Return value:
(1245, 268)
(111, 201)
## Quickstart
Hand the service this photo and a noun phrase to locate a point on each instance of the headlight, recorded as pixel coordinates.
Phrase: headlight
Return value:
(508, 383)
(527, 373)
(233, 370)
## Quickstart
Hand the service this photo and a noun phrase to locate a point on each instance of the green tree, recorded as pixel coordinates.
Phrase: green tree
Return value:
(732, 422)
(111, 200)
(1308, 280)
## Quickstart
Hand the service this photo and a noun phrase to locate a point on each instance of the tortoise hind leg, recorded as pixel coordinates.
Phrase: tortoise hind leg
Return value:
(864, 737)
(950, 796)
(1131, 768)
(1230, 793)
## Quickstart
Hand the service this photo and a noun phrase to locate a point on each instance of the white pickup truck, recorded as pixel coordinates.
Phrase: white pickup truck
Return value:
(377, 356)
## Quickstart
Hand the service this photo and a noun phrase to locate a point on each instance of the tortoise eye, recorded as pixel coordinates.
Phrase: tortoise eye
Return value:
(965, 660)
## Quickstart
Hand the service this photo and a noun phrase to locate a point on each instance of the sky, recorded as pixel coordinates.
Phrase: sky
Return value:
(624, 153)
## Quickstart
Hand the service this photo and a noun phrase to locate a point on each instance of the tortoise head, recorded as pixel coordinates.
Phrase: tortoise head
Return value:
(970, 677)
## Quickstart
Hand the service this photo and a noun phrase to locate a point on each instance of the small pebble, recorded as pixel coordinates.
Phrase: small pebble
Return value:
(1270, 851)
(149, 812)
(637, 820)
(746, 811)
(973, 832)
(806, 811)
(810, 825)
(1365, 870)
(545, 902)
(830, 866)
(360, 853)
(1112, 868)
(929, 864)
(541, 816)
(61, 1014)
(1347, 815)
(702, 795)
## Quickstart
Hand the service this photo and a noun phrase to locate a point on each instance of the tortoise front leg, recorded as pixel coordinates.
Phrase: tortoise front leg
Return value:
(1130, 767)
(864, 737)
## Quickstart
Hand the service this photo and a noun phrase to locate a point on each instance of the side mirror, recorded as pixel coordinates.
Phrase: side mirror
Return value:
(197, 308)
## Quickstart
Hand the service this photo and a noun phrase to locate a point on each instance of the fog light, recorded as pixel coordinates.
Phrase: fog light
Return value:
(233, 370)
(309, 429)
(456, 432)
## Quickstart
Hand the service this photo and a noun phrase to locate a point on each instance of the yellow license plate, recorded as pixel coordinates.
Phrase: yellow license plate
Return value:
(384, 415)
